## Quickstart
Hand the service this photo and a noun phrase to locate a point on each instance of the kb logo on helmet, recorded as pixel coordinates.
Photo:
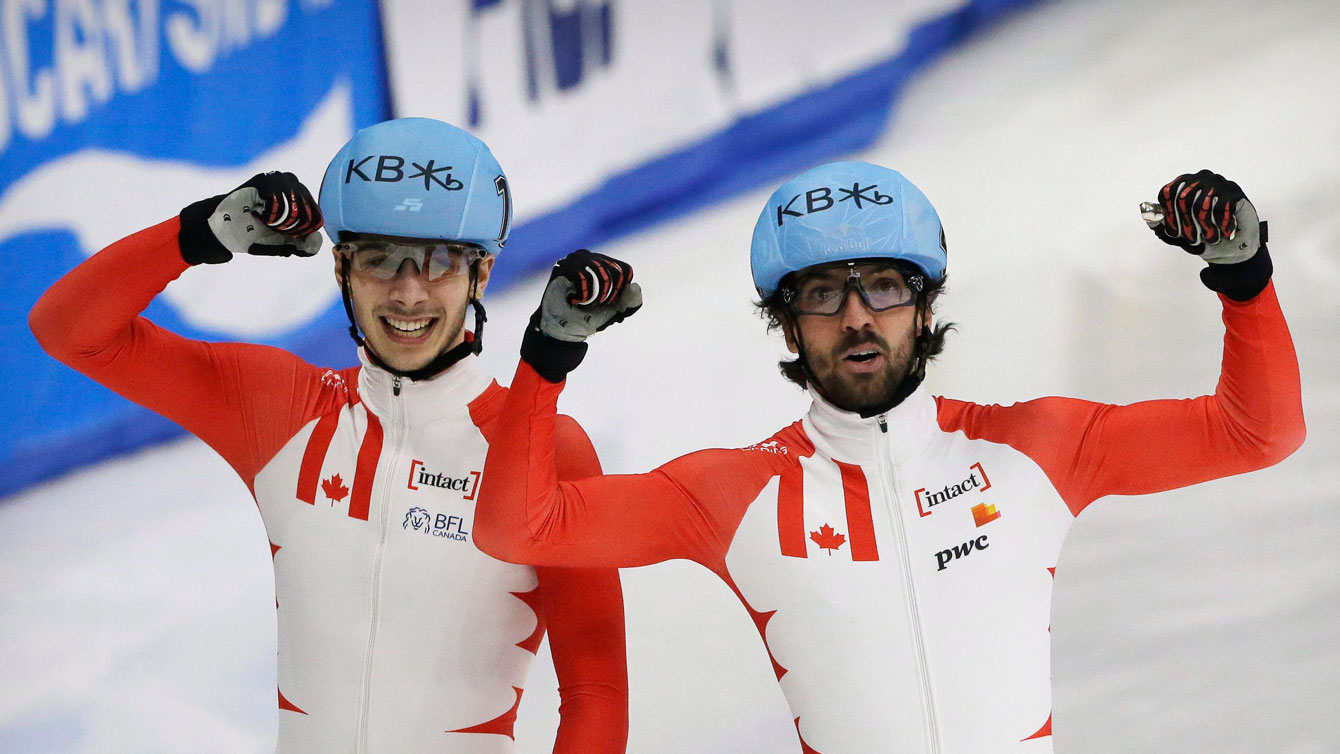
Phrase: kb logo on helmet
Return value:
(390, 168)
(820, 199)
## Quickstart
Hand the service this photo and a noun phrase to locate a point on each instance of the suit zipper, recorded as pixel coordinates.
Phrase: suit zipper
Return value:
(887, 479)
(383, 513)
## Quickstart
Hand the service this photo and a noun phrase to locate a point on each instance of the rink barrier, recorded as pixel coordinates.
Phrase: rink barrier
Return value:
(754, 152)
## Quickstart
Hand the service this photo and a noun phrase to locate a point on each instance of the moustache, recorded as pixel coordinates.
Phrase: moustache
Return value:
(861, 338)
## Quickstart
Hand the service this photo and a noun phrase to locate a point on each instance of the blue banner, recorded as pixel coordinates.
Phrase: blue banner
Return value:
(116, 113)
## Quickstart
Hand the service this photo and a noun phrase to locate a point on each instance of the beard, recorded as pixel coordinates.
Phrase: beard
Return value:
(861, 392)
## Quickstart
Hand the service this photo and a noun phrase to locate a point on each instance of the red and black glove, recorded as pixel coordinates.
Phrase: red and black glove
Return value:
(587, 292)
(1208, 215)
(272, 214)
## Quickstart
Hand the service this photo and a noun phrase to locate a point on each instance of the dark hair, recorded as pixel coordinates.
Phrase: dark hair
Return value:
(777, 313)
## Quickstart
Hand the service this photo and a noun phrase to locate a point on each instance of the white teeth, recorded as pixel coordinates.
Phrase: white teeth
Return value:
(407, 325)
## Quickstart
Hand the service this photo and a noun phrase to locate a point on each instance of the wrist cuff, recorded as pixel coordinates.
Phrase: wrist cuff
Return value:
(195, 240)
(1240, 281)
(550, 357)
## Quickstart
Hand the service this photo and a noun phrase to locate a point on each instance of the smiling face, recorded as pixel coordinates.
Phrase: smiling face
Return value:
(859, 356)
(408, 319)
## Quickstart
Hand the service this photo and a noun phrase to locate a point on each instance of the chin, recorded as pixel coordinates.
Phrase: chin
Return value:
(865, 395)
(404, 362)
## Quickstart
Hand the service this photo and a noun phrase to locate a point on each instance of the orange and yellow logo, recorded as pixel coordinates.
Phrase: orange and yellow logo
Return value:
(984, 514)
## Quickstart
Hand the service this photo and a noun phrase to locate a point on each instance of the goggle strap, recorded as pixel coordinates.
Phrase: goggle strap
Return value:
(347, 297)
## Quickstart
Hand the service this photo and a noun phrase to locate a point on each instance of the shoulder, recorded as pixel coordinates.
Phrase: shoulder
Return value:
(573, 452)
(995, 422)
(487, 406)
(486, 410)
(787, 445)
(748, 465)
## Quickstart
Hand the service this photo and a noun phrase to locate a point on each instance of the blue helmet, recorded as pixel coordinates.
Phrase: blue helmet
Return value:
(417, 178)
(843, 211)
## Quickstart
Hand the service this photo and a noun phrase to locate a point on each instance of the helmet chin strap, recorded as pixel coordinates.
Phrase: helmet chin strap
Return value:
(444, 360)
(921, 348)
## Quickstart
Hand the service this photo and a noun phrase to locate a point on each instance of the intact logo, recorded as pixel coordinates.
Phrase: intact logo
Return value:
(468, 485)
(440, 525)
(977, 480)
(390, 168)
(944, 557)
(821, 199)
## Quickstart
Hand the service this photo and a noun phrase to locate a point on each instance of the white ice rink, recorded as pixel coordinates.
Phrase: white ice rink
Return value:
(136, 598)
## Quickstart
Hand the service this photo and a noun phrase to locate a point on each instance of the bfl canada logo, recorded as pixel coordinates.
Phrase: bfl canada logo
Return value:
(440, 525)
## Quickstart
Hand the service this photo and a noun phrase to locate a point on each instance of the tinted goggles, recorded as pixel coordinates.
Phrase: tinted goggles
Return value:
(383, 258)
(880, 287)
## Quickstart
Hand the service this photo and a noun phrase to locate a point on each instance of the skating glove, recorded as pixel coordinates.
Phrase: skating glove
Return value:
(272, 214)
(1207, 215)
(587, 292)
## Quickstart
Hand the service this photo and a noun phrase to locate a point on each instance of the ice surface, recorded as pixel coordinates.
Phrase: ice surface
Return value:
(136, 602)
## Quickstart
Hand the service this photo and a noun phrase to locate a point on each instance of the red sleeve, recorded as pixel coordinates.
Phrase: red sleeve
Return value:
(583, 609)
(244, 400)
(688, 508)
(1253, 419)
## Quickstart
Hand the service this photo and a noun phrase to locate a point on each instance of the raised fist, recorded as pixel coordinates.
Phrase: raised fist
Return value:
(587, 292)
(272, 214)
(1207, 215)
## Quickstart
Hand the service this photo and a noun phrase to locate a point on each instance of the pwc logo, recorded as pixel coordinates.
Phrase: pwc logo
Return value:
(977, 480)
(944, 557)
(419, 474)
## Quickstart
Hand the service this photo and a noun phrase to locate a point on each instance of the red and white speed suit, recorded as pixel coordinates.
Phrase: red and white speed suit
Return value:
(899, 568)
(396, 634)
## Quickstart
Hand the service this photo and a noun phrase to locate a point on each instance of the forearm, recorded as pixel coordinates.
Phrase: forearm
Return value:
(243, 400)
(584, 609)
(1088, 450)
(688, 508)
(88, 316)
(1253, 419)
(1260, 391)
(593, 719)
(522, 481)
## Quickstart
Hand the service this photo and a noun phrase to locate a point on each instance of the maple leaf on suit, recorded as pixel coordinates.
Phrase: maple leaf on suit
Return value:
(827, 539)
(334, 488)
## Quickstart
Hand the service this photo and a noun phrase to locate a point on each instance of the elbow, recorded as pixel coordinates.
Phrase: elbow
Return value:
(1274, 443)
(45, 327)
(489, 543)
(1284, 441)
(492, 541)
